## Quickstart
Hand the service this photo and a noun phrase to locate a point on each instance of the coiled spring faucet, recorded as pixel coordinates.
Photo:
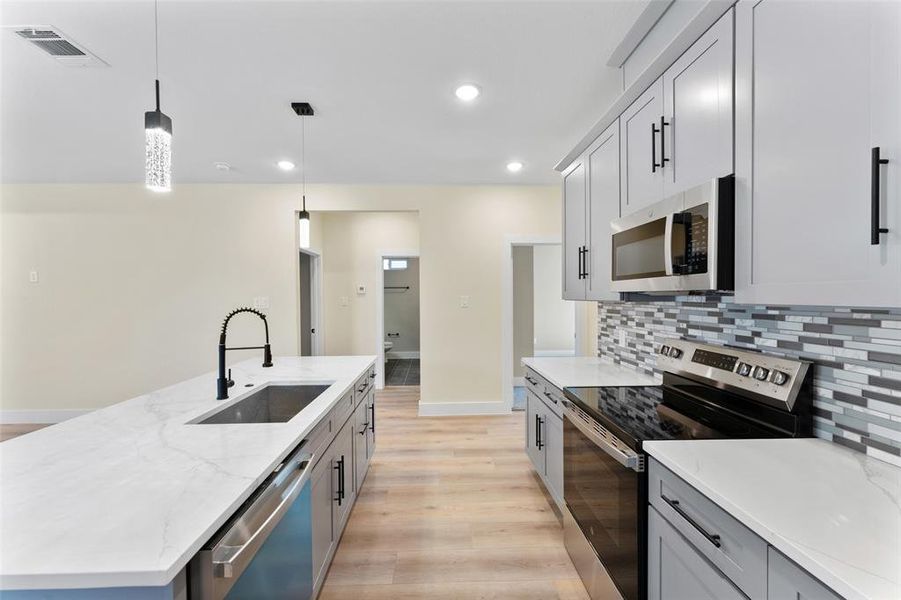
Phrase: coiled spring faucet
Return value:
(223, 382)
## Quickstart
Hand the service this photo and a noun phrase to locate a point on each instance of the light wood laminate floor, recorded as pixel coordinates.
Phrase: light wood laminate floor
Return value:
(450, 509)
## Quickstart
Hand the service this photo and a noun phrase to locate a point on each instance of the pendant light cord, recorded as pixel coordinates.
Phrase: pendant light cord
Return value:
(303, 160)
(156, 36)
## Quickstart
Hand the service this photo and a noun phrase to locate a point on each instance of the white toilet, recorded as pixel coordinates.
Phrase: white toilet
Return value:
(388, 346)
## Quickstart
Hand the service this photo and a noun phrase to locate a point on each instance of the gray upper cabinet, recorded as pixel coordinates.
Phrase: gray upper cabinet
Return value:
(602, 158)
(697, 130)
(642, 171)
(574, 231)
(787, 581)
(817, 88)
(677, 571)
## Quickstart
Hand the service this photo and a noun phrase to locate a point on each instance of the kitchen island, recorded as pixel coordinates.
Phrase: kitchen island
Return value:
(123, 497)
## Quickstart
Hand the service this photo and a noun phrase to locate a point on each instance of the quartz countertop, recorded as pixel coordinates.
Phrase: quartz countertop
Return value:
(126, 495)
(833, 511)
(585, 371)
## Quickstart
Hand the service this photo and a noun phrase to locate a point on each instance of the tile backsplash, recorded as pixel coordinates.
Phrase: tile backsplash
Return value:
(856, 354)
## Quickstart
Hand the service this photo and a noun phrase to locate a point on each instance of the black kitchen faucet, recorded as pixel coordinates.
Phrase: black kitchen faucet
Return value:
(223, 382)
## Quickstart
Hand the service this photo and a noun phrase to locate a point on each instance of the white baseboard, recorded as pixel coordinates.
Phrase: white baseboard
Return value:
(459, 409)
(519, 382)
(403, 354)
(555, 352)
(14, 417)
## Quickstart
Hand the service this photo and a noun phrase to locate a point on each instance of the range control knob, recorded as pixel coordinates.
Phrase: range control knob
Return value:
(664, 350)
(760, 374)
(675, 352)
(744, 369)
(780, 378)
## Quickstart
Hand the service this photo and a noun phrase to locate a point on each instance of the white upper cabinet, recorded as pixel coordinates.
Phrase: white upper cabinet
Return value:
(697, 130)
(574, 232)
(817, 88)
(642, 170)
(602, 158)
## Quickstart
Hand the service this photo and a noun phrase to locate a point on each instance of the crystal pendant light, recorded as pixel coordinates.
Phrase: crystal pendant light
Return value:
(304, 110)
(157, 132)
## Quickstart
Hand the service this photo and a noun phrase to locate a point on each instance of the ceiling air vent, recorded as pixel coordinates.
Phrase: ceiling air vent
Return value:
(58, 45)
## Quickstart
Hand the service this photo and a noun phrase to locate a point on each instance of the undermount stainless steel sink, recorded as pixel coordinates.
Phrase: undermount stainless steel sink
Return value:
(272, 404)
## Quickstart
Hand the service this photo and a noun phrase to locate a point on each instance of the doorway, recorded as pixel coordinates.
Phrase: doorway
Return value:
(535, 320)
(310, 298)
(398, 338)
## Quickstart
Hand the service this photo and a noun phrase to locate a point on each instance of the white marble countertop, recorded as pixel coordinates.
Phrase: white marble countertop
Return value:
(585, 371)
(126, 495)
(835, 512)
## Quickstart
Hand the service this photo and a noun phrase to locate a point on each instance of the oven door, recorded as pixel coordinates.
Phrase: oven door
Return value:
(604, 498)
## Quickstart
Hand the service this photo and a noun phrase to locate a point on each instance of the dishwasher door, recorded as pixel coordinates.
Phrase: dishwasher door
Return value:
(264, 552)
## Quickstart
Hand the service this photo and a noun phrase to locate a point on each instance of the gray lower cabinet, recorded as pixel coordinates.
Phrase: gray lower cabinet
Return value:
(677, 571)
(361, 431)
(370, 432)
(788, 581)
(544, 444)
(343, 469)
(322, 508)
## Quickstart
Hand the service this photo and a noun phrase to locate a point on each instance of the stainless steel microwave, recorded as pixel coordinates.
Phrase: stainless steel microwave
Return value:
(683, 243)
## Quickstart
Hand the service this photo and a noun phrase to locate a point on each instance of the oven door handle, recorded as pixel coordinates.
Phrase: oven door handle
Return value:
(626, 458)
(668, 245)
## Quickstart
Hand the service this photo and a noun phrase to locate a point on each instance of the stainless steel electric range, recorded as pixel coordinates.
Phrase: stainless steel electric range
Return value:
(707, 392)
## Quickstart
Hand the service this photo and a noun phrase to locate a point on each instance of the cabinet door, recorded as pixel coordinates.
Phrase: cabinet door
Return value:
(817, 87)
(787, 581)
(642, 170)
(676, 571)
(534, 409)
(343, 473)
(553, 440)
(370, 433)
(574, 226)
(603, 207)
(322, 502)
(698, 97)
(361, 431)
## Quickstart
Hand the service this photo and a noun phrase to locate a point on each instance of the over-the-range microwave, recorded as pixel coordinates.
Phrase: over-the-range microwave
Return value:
(681, 244)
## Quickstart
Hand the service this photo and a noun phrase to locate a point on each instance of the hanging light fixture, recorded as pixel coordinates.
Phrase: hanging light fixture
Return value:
(303, 110)
(157, 131)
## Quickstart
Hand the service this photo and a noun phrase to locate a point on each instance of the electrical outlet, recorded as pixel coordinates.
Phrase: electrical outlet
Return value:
(32, 277)
(622, 337)
(361, 290)
(343, 301)
(464, 301)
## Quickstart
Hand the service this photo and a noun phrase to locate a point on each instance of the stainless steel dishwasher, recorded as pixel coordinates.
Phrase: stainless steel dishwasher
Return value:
(265, 550)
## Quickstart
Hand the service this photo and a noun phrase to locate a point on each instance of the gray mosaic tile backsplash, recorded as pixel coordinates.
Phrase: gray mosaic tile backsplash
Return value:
(856, 354)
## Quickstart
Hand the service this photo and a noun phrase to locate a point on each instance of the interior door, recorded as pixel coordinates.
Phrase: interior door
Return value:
(574, 227)
(603, 207)
(642, 160)
(698, 93)
(817, 87)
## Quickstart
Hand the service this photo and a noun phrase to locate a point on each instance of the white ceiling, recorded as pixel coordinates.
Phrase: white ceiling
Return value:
(380, 75)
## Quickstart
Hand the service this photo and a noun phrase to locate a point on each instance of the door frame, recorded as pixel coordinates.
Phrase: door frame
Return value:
(510, 241)
(316, 348)
(380, 310)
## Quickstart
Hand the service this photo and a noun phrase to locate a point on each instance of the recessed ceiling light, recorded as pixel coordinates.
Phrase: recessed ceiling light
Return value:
(222, 166)
(468, 92)
(514, 166)
(285, 165)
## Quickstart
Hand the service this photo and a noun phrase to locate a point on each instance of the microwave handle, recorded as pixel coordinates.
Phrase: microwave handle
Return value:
(668, 245)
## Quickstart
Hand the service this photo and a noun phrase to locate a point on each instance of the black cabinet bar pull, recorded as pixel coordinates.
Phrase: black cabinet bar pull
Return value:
(875, 162)
(580, 262)
(551, 396)
(663, 158)
(372, 419)
(584, 262)
(339, 496)
(537, 441)
(712, 538)
(654, 164)
(538, 432)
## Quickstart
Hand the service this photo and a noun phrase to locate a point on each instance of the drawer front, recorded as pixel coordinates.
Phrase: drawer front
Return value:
(343, 409)
(318, 439)
(549, 394)
(737, 551)
(788, 581)
(363, 383)
(534, 381)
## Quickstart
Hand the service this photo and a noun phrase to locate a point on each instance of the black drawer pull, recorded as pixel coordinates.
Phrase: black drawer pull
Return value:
(875, 229)
(530, 380)
(372, 420)
(551, 396)
(711, 537)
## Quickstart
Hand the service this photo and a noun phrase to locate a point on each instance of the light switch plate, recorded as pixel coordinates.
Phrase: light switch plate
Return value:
(361, 290)
(32, 277)
(464, 301)
(343, 301)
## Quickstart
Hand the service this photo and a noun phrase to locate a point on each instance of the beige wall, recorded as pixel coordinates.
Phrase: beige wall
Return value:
(523, 303)
(133, 285)
(351, 243)
(402, 306)
(555, 322)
